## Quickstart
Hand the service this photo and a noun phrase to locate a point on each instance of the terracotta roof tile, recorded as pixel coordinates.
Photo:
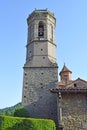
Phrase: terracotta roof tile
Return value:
(65, 69)
(69, 89)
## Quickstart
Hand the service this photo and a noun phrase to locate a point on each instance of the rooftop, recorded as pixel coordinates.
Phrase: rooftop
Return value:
(69, 90)
(65, 69)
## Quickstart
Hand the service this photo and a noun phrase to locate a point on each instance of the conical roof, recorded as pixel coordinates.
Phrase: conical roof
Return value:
(65, 69)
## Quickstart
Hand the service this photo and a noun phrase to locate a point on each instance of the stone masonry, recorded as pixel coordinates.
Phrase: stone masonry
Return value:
(40, 68)
(68, 106)
(72, 101)
(37, 97)
(74, 111)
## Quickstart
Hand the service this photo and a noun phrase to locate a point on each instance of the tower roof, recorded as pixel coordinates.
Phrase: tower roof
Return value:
(65, 69)
(40, 13)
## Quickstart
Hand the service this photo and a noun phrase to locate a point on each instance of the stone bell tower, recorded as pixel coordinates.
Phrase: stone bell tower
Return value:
(40, 68)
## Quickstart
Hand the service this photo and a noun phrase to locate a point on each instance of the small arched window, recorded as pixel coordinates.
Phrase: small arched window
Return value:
(41, 29)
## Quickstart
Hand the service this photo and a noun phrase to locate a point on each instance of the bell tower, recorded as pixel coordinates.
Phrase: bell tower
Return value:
(41, 47)
(40, 68)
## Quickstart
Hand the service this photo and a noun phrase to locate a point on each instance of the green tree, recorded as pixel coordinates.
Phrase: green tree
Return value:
(8, 113)
(21, 112)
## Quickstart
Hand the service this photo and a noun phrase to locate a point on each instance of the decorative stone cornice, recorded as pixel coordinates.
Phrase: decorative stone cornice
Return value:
(69, 90)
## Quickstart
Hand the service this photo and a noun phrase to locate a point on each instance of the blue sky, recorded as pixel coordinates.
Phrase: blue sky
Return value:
(71, 40)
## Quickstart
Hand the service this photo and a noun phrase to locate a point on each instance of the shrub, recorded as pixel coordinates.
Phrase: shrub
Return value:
(17, 123)
(21, 112)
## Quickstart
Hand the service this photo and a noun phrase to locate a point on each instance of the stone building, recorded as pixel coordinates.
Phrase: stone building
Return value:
(65, 101)
(40, 68)
(72, 101)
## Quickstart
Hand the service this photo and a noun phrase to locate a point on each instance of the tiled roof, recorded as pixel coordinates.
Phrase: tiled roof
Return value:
(65, 84)
(80, 80)
(71, 86)
(65, 69)
(70, 89)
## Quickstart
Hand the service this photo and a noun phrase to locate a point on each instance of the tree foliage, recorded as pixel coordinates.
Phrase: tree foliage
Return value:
(9, 111)
(21, 112)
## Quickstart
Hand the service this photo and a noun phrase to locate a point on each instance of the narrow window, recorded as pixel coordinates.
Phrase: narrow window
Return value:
(75, 85)
(41, 29)
(65, 78)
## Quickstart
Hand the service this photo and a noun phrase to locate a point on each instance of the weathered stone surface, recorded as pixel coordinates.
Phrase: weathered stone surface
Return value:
(74, 108)
(41, 74)
(75, 122)
(40, 68)
(37, 97)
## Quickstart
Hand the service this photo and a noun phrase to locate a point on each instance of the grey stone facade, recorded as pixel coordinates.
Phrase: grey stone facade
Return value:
(40, 68)
(68, 106)
(72, 102)
(74, 111)
(37, 97)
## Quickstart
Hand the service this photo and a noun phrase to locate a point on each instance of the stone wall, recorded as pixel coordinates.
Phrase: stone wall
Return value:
(74, 109)
(37, 98)
(75, 122)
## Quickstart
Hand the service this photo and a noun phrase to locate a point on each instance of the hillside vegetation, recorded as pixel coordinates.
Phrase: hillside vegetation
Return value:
(20, 122)
(17, 123)
(9, 111)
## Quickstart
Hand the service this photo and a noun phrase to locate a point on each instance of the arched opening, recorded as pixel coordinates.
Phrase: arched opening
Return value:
(41, 29)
